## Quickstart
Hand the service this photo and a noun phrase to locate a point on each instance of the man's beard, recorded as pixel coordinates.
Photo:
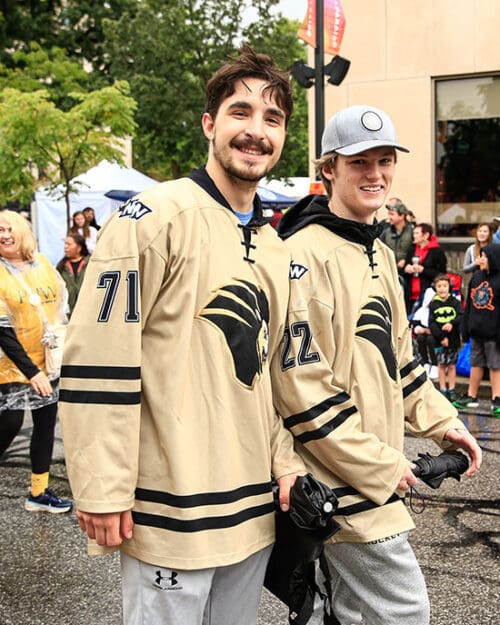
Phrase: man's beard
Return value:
(241, 173)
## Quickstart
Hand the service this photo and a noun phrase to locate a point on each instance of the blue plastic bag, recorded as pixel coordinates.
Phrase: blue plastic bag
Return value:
(463, 362)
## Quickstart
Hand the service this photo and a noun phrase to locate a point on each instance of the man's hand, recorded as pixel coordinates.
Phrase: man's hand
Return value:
(107, 529)
(464, 440)
(408, 479)
(285, 483)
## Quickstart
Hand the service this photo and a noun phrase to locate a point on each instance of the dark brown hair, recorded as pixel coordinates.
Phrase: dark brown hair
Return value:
(442, 277)
(426, 228)
(249, 64)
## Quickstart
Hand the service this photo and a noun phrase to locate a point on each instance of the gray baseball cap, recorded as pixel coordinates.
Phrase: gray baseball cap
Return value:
(358, 128)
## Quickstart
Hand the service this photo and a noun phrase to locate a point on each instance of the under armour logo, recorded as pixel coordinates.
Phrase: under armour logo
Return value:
(166, 582)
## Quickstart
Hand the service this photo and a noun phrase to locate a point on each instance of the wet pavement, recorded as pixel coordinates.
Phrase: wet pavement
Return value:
(47, 579)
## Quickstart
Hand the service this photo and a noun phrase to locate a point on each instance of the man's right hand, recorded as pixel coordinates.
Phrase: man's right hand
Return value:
(408, 479)
(107, 529)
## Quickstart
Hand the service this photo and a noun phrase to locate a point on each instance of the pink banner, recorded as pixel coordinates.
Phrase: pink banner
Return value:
(334, 25)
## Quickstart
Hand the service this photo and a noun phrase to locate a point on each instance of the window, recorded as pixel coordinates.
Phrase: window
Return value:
(467, 153)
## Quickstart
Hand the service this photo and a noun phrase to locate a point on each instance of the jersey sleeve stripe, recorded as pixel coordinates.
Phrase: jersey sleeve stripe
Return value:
(110, 398)
(202, 499)
(316, 411)
(328, 427)
(407, 369)
(202, 524)
(417, 383)
(100, 372)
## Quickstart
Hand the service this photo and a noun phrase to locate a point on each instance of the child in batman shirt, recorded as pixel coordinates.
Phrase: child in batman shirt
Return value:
(445, 315)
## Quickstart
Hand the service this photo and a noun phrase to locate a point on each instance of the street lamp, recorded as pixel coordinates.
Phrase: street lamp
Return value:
(307, 76)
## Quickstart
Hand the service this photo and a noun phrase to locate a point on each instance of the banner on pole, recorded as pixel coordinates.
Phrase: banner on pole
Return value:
(307, 32)
(334, 25)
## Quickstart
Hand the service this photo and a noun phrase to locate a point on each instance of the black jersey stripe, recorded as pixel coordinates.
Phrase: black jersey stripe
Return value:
(363, 506)
(315, 411)
(404, 371)
(345, 491)
(202, 524)
(328, 427)
(417, 383)
(100, 372)
(202, 499)
(110, 398)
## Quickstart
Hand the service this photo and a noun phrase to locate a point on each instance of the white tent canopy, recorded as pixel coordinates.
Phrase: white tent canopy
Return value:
(49, 216)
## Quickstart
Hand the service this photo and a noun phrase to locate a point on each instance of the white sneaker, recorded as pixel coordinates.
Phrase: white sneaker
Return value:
(427, 368)
(433, 372)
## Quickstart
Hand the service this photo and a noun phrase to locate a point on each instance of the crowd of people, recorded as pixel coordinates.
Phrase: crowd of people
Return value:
(445, 315)
(222, 358)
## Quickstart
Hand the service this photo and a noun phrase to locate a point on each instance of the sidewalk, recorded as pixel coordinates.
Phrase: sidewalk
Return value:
(46, 578)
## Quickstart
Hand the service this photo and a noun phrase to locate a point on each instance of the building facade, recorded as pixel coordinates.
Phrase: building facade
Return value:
(434, 66)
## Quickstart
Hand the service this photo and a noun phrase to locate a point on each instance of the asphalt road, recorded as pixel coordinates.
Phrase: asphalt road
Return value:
(47, 579)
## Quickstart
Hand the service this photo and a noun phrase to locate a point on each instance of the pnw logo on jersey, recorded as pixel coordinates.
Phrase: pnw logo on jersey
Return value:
(482, 296)
(297, 271)
(133, 209)
(375, 325)
(240, 310)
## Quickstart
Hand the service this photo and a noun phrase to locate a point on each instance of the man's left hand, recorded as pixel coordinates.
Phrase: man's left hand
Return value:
(464, 440)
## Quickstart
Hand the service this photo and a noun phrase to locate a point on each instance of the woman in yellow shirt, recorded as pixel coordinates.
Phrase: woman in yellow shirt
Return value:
(32, 297)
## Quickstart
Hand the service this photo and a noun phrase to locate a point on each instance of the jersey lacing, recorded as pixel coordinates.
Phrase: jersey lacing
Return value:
(247, 241)
(370, 252)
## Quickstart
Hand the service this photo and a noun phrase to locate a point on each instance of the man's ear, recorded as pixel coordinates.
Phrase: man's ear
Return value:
(327, 171)
(207, 124)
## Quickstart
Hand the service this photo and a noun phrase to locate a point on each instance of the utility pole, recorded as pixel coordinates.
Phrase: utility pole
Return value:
(319, 81)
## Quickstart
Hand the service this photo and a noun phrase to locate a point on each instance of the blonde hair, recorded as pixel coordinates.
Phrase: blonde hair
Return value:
(319, 163)
(477, 245)
(21, 228)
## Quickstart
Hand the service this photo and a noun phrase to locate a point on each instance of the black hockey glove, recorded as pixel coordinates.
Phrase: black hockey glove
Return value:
(434, 469)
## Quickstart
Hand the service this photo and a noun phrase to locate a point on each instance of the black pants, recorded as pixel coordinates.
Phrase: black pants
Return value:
(42, 437)
(425, 346)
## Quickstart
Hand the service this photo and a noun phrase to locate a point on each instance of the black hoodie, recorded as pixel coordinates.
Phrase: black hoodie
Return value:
(314, 209)
(482, 311)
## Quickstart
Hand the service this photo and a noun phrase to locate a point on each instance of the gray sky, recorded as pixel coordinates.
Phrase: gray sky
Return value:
(293, 9)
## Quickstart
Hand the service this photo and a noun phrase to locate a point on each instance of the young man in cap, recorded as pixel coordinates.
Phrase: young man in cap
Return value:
(169, 428)
(348, 384)
(398, 234)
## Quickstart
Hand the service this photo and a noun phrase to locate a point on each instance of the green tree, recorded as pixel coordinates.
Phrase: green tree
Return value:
(37, 137)
(52, 70)
(168, 49)
(75, 25)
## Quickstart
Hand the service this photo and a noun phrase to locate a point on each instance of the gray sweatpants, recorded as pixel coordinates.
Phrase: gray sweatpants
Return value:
(226, 595)
(377, 583)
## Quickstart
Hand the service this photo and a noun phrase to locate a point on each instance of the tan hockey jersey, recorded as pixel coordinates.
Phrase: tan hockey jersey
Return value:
(347, 383)
(166, 400)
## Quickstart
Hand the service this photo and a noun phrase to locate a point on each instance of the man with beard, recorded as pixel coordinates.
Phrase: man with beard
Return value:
(170, 433)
